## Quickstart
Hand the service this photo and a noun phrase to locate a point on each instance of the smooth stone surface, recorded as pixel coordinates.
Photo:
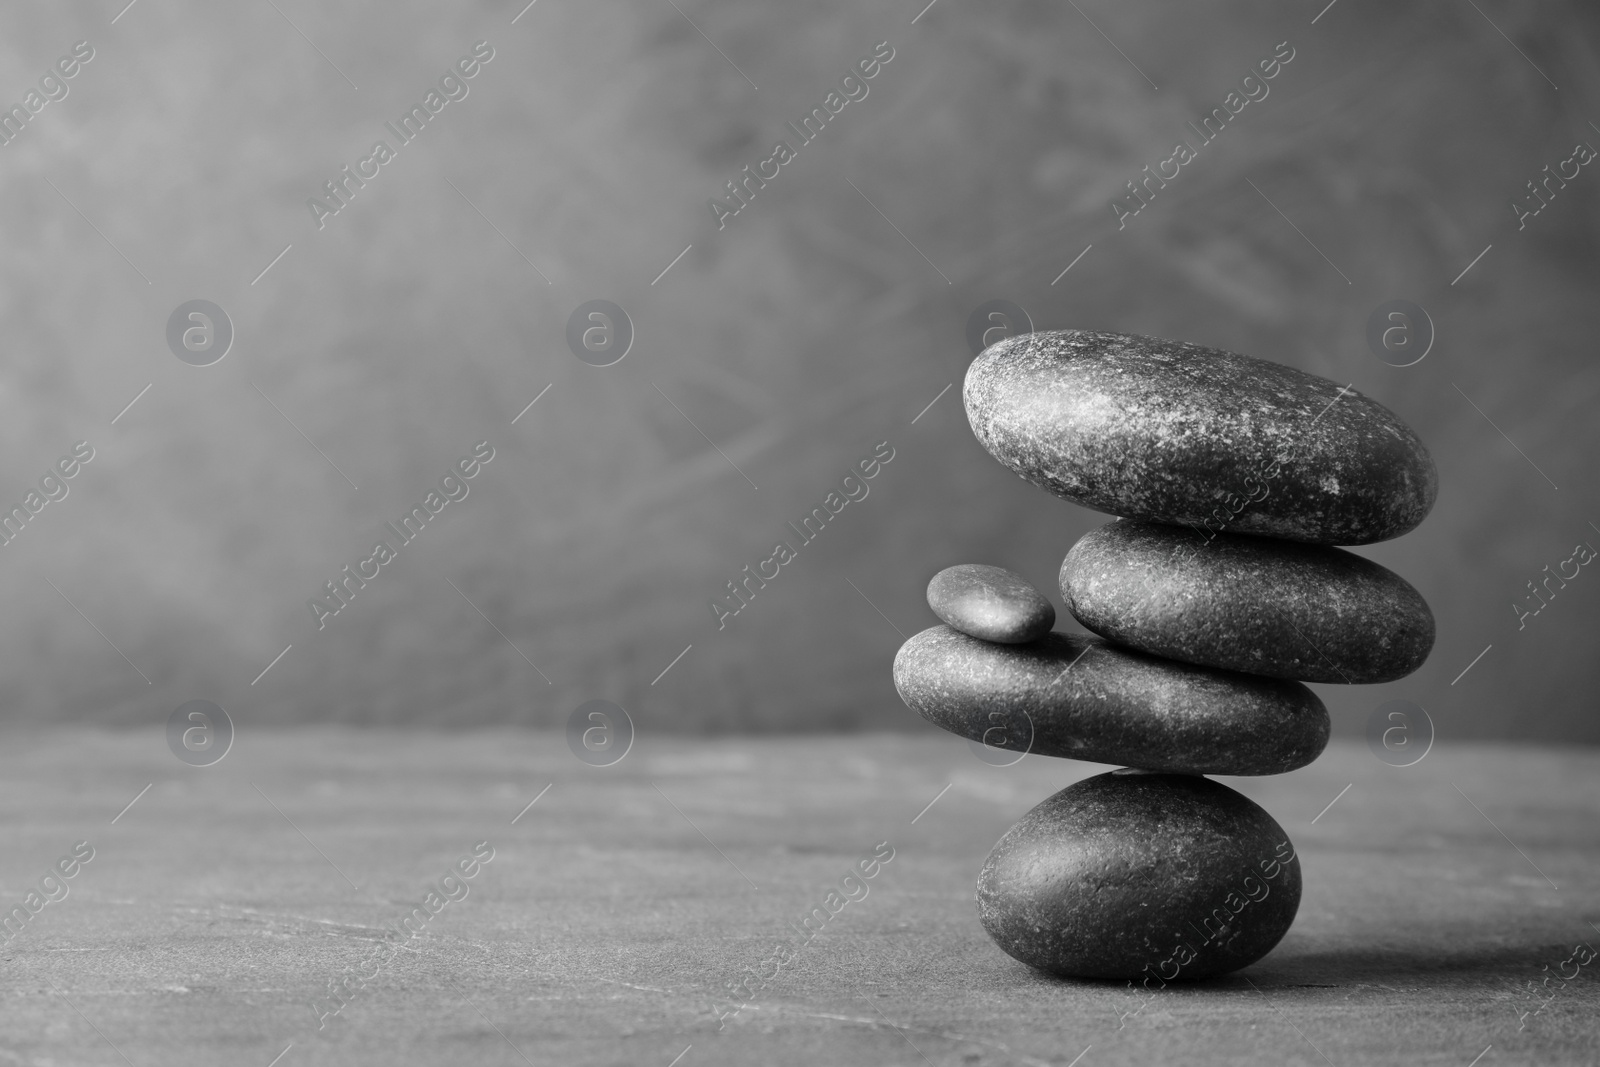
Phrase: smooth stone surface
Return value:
(990, 603)
(1177, 433)
(1154, 877)
(1243, 603)
(1401, 893)
(1074, 695)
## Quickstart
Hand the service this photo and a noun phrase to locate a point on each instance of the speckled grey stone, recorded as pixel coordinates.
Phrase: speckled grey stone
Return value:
(1177, 433)
(991, 603)
(1076, 696)
(1146, 877)
(1246, 603)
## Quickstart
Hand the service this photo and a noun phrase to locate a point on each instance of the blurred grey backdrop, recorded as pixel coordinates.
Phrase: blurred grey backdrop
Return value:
(424, 317)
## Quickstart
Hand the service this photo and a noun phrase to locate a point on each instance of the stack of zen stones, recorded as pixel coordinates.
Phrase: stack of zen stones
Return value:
(1215, 595)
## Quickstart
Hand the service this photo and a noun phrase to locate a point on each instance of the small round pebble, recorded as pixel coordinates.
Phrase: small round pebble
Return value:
(1141, 877)
(1079, 697)
(990, 603)
(1253, 604)
(1178, 433)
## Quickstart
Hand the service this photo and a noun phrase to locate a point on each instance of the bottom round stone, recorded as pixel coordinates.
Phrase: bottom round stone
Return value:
(1155, 877)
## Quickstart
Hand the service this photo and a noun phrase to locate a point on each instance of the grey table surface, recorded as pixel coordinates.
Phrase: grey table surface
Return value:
(218, 906)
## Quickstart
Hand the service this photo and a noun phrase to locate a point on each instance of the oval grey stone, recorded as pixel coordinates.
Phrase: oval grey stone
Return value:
(1147, 877)
(990, 603)
(1076, 696)
(1244, 603)
(1177, 433)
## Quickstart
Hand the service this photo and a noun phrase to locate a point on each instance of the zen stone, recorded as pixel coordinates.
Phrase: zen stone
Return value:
(990, 603)
(1139, 876)
(1245, 603)
(1076, 696)
(1177, 433)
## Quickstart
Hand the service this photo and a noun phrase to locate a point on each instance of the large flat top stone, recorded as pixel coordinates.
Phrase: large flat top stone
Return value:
(1179, 433)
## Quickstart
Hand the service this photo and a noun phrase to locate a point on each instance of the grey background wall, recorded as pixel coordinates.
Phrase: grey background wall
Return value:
(422, 318)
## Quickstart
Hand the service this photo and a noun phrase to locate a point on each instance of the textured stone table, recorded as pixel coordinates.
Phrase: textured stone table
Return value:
(608, 920)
